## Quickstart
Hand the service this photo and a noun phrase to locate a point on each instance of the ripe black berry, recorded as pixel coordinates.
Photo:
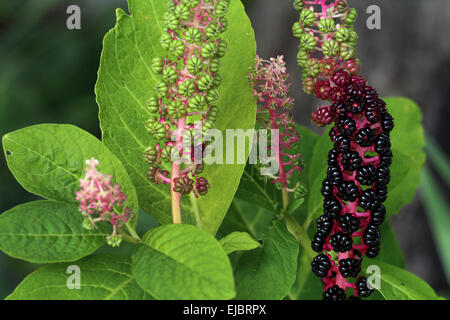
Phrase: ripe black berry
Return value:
(351, 160)
(362, 288)
(348, 223)
(365, 137)
(334, 293)
(348, 191)
(318, 241)
(371, 95)
(382, 175)
(385, 159)
(327, 189)
(383, 143)
(320, 265)
(341, 242)
(378, 214)
(354, 105)
(324, 224)
(365, 175)
(334, 175)
(372, 252)
(381, 191)
(368, 199)
(350, 267)
(333, 157)
(388, 123)
(332, 207)
(372, 235)
(346, 126)
(342, 144)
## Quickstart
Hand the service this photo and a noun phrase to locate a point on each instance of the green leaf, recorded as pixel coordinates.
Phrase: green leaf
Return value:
(47, 231)
(102, 277)
(125, 84)
(399, 284)
(182, 262)
(269, 272)
(437, 210)
(246, 217)
(238, 241)
(407, 140)
(49, 159)
(407, 147)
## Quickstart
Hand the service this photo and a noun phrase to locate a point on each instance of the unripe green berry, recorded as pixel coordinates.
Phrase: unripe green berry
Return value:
(342, 34)
(182, 12)
(297, 30)
(195, 65)
(166, 40)
(157, 64)
(169, 75)
(307, 17)
(308, 85)
(150, 155)
(351, 17)
(191, 3)
(170, 21)
(212, 30)
(193, 35)
(153, 105)
(177, 47)
(214, 65)
(205, 82)
(224, 23)
(302, 58)
(342, 6)
(222, 48)
(330, 48)
(299, 5)
(326, 25)
(313, 67)
(217, 80)
(308, 41)
(166, 152)
(212, 97)
(176, 110)
(209, 50)
(157, 129)
(221, 8)
(213, 112)
(186, 88)
(347, 51)
(161, 89)
(197, 103)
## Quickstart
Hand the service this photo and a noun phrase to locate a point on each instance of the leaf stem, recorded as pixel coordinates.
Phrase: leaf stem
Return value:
(130, 239)
(300, 234)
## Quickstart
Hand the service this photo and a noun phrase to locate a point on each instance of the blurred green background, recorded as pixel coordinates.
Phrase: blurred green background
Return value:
(47, 74)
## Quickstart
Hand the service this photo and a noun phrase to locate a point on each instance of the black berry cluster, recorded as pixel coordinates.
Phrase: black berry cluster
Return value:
(355, 186)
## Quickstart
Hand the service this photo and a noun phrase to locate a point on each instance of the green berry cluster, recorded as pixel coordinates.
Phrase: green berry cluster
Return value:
(326, 37)
(187, 92)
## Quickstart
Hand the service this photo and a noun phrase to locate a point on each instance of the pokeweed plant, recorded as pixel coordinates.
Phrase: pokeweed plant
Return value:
(170, 71)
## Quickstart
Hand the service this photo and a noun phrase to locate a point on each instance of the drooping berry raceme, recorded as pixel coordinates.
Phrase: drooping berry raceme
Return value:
(270, 86)
(102, 201)
(358, 165)
(184, 105)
